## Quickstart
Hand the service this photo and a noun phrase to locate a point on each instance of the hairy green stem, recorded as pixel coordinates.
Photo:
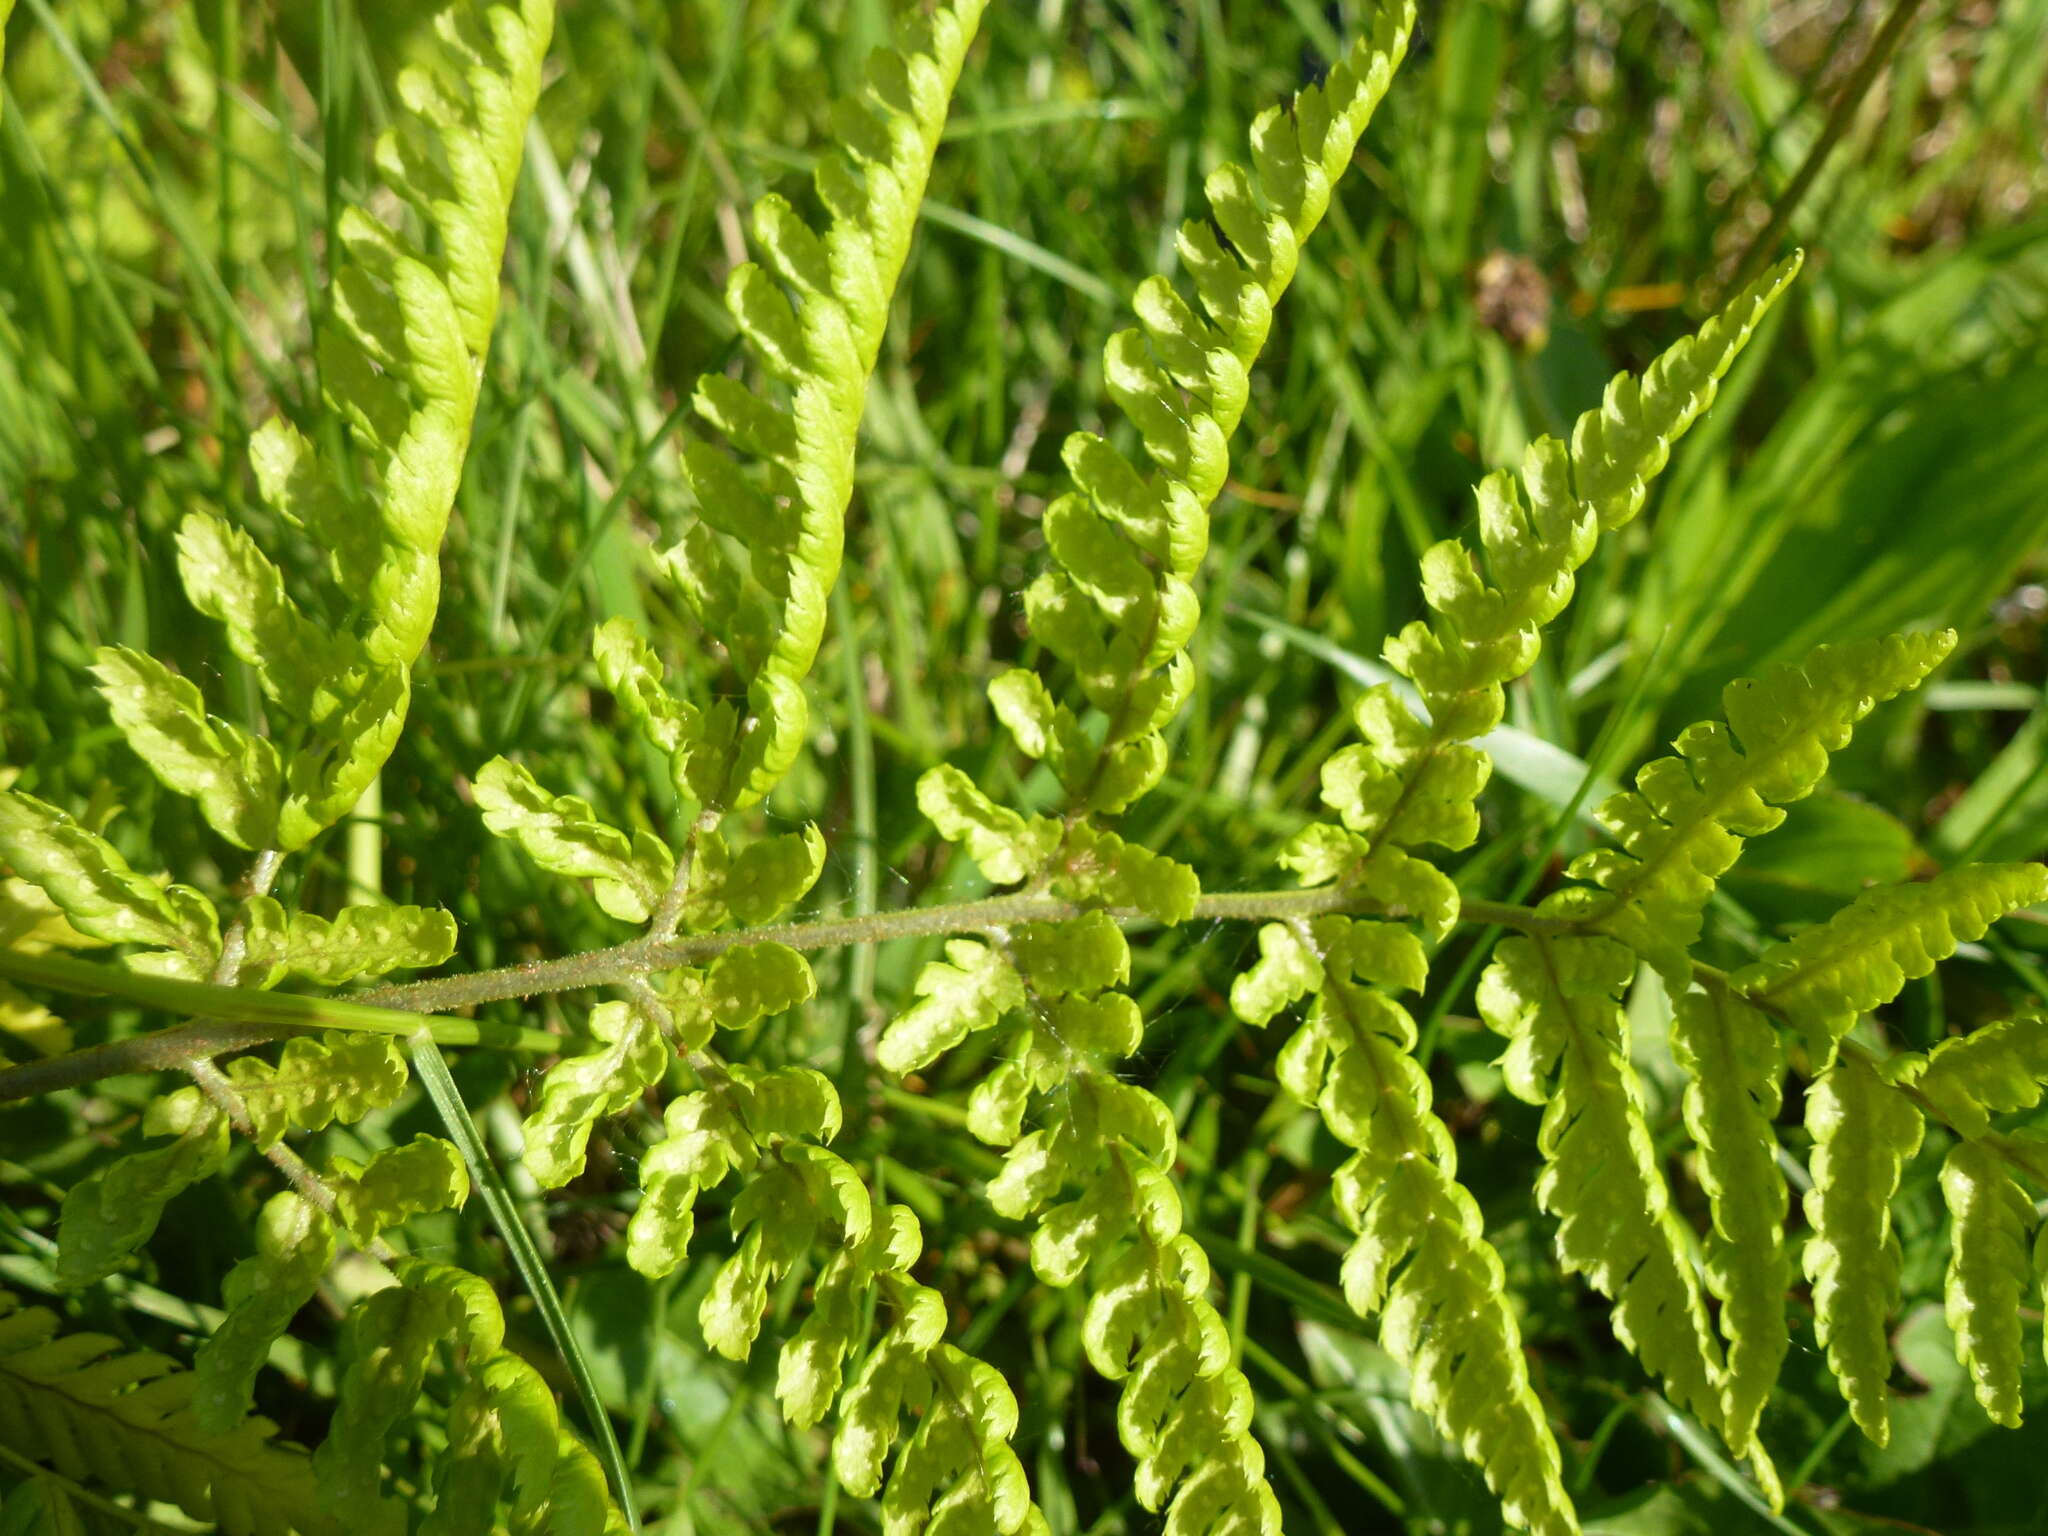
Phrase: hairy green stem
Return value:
(220, 1090)
(237, 1018)
(605, 967)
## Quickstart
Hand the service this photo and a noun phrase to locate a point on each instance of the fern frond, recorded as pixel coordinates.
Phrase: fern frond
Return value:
(1734, 1064)
(1990, 1272)
(1557, 1001)
(398, 1183)
(1683, 825)
(1117, 604)
(86, 878)
(1864, 955)
(401, 352)
(294, 1246)
(1118, 607)
(813, 317)
(125, 1421)
(317, 1082)
(503, 1417)
(111, 1212)
(1990, 1071)
(1863, 1131)
(1535, 538)
(756, 567)
(1421, 1261)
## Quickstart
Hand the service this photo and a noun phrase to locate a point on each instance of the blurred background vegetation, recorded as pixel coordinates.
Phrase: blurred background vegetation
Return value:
(1551, 192)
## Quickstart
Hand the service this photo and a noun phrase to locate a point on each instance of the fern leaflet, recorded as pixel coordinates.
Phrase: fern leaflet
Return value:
(126, 1421)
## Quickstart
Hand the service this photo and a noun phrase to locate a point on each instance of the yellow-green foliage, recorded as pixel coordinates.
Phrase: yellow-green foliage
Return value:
(1558, 1003)
(441, 1427)
(127, 1421)
(1862, 1136)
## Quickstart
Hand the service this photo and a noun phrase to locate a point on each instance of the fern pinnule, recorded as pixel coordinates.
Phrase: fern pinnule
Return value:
(91, 884)
(1684, 824)
(1117, 603)
(1557, 1002)
(1421, 1258)
(1734, 1064)
(1990, 1273)
(357, 941)
(112, 1211)
(317, 1081)
(815, 326)
(1863, 1132)
(294, 1247)
(390, 1342)
(2000, 1067)
(1536, 535)
(955, 1471)
(1826, 976)
(396, 1183)
(401, 351)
